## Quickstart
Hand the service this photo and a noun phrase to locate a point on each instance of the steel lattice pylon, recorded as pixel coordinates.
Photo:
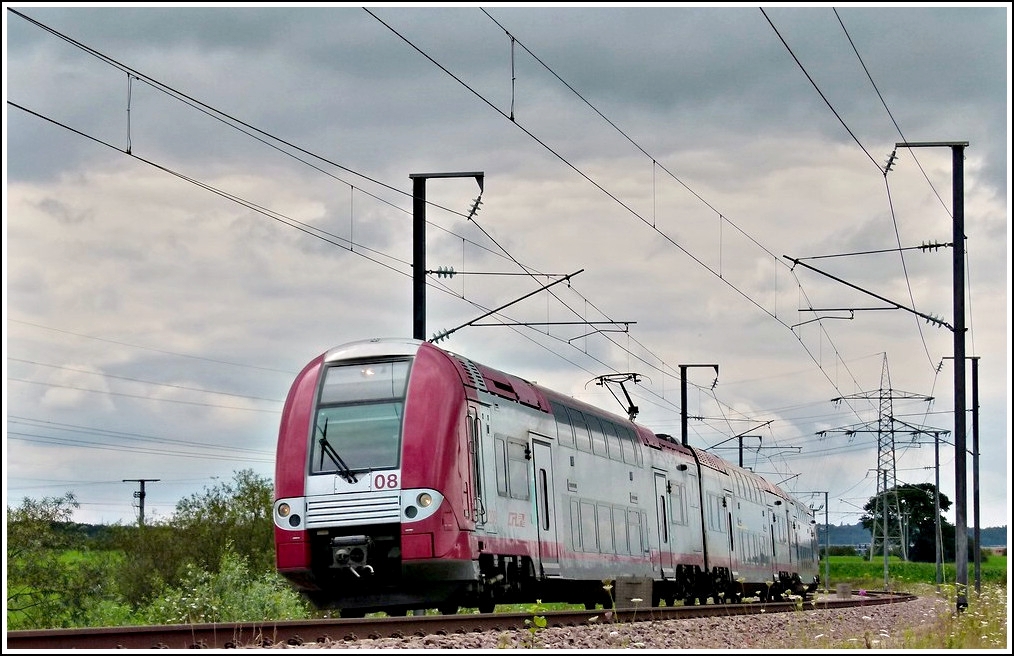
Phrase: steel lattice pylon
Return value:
(885, 533)
(887, 471)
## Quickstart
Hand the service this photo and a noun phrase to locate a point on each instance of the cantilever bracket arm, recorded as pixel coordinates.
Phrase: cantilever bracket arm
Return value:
(439, 336)
(928, 318)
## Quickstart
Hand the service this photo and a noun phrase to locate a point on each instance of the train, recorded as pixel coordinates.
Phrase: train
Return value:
(411, 478)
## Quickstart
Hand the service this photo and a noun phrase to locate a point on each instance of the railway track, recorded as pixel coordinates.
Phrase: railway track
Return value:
(299, 632)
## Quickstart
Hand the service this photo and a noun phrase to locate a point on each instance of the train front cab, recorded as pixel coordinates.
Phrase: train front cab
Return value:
(370, 481)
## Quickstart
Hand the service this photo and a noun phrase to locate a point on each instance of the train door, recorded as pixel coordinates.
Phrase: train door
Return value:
(790, 528)
(775, 556)
(728, 502)
(545, 508)
(478, 419)
(662, 513)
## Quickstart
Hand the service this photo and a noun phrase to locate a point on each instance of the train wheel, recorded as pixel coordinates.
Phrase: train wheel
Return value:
(353, 612)
(486, 606)
(448, 610)
(396, 612)
(589, 605)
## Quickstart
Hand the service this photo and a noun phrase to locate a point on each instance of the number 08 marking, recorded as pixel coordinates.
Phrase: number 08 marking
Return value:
(385, 481)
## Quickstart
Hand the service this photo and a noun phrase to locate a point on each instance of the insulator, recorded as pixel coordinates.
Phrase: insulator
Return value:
(475, 206)
(890, 160)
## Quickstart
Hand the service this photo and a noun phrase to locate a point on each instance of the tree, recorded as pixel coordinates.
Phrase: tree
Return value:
(918, 519)
(236, 513)
(46, 588)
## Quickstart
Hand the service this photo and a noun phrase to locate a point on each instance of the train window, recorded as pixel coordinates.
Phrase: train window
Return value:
(620, 530)
(517, 470)
(544, 492)
(589, 540)
(376, 381)
(359, 413)
(605, 528)
(598, 437)
(356, 437)
(575, 524)
(634, 532)
(677, 505)
(715, 514)
(627, 446)
(663, 525)
(612, 441)
(581, 434)
(500, 458)
(565, 432)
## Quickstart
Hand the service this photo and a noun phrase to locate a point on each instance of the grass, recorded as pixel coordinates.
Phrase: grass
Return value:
(982, 626)
(869, 574)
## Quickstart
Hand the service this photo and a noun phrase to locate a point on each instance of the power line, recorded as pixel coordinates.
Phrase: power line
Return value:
(628, 351)
(138, 380)
(577, 170)
(325, 236)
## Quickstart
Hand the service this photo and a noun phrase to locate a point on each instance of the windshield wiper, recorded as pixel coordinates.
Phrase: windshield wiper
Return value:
(325, 447)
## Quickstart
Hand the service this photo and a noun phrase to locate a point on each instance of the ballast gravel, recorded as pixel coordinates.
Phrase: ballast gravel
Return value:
(878, 627)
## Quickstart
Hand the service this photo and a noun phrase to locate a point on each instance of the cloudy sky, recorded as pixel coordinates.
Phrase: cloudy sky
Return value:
(199, 200)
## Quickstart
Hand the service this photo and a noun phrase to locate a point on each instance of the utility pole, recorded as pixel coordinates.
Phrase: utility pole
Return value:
(683, 395)
(139, 495)
(975, 472)
(419, 243)
(827, 547)
(938, 538)
(958, 293)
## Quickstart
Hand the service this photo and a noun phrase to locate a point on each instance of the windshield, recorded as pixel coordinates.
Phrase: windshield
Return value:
(358, 423)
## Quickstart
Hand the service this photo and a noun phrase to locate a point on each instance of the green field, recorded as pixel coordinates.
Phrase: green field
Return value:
(869, 574)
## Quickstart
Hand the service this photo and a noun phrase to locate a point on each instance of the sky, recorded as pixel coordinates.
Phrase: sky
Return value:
(201, 199)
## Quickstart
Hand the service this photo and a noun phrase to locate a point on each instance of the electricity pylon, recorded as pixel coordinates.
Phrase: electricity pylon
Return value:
(883, 532)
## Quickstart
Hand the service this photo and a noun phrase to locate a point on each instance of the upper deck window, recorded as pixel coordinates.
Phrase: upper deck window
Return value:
(360, 383)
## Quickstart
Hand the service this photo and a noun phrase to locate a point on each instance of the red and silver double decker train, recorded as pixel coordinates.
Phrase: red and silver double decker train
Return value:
(409, 477)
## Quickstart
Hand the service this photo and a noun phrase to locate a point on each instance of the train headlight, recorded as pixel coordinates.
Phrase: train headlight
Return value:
(418, 504)
(289, 513)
